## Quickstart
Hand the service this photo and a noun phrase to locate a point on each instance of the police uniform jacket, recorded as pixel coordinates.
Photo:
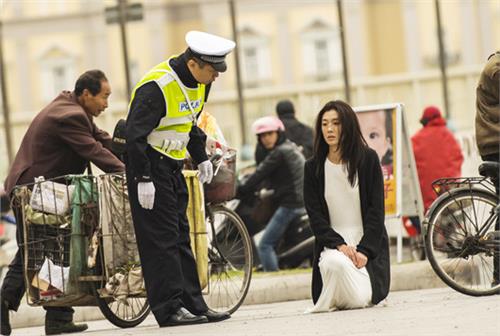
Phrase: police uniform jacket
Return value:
(145, 113)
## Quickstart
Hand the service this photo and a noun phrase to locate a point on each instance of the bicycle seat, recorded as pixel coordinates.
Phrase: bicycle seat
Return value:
(489, 169)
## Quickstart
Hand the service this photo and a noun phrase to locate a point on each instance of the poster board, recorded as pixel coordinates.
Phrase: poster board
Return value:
(384, 129)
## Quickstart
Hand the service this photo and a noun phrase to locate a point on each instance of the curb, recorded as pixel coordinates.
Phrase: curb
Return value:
(264, 289)
(411, 276)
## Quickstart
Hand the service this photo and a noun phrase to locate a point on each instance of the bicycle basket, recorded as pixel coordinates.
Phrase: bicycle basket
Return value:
(56, 218)
(223, 185)
(120, 256)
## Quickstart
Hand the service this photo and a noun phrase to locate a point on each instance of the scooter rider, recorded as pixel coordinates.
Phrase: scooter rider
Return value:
(283, 167)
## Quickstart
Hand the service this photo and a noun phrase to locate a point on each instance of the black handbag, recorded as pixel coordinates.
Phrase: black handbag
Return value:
(119, 142)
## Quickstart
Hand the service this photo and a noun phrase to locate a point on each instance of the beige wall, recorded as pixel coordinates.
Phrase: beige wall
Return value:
(378, 53)
(385, 35)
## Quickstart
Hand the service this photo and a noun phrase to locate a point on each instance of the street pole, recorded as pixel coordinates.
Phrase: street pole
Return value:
(5, 101)
(345, 72)
(238, 74)
(442, 61)
(122, 10)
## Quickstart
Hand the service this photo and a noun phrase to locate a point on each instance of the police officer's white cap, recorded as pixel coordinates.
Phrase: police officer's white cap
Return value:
(210, 48)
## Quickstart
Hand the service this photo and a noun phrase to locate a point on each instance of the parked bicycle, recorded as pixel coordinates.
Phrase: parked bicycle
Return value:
(230, 255)
(463, 232)
(229, 259)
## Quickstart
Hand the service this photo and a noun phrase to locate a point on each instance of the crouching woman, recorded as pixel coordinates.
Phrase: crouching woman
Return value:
(344, 198)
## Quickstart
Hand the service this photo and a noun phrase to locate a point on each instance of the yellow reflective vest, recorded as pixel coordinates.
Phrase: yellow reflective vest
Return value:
(172, 134)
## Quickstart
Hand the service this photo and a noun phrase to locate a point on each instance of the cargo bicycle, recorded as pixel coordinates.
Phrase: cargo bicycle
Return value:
(79, 247)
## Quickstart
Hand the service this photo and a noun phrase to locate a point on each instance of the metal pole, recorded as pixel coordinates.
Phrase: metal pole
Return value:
(238, 74)
(345, 68)
(442, 61)
(122, 10)
(5, 101)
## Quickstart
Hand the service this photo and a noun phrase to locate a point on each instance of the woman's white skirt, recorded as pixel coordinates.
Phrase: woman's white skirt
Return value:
(344, 285)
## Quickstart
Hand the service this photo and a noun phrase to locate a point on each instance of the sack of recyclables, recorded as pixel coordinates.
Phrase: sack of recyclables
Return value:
(51, 197)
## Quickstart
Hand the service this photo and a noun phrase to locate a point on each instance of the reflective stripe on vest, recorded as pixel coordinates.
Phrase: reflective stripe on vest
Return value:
(171, 136)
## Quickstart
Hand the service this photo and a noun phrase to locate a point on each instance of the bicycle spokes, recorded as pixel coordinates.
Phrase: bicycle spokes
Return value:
(463, 242)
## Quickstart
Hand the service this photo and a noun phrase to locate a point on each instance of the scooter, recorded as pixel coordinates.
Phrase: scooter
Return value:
(295, 249)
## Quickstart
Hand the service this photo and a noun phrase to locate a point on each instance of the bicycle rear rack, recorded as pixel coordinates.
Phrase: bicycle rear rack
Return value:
(445, 185)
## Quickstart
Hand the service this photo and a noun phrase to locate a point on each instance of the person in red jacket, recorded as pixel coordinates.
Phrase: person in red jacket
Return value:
(437, 153)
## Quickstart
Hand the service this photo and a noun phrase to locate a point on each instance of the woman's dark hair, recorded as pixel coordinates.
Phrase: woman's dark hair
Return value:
(351, 142)
(90, 80)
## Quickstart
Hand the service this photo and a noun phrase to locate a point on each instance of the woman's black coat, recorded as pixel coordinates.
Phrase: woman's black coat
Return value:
(374, 243)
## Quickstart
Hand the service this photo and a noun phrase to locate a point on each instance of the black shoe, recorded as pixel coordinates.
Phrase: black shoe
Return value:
(59, 327)
(183, 317)
(214, 316)
(5, 328)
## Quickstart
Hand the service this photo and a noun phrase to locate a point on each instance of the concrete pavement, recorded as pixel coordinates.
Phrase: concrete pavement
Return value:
(428, 312)
(264, 288)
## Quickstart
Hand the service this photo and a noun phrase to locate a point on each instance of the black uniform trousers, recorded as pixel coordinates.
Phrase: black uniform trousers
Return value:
(13, 286)
(162, 233)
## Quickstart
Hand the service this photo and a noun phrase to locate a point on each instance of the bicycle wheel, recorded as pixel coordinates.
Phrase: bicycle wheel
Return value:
(124, 313)
(230, 260)
(460, 241)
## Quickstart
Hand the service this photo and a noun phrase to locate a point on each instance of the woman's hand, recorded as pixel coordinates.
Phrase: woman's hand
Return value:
(361, 260)
(349, 252)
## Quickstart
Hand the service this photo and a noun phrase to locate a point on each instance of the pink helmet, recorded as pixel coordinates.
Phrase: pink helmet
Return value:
(267, 124)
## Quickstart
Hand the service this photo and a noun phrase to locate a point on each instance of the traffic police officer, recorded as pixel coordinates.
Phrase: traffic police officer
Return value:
(160, 128)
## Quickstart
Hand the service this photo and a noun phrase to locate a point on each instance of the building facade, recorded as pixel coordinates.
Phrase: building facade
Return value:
(287, 49)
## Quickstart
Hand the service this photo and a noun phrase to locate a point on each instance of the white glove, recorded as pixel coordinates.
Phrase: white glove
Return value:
(146, 194)
(206, 172)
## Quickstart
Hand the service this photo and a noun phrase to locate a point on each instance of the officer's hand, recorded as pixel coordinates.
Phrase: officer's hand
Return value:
(146, 194)
(206, 172)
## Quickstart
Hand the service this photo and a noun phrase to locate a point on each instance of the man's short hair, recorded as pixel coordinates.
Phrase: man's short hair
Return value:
(90, 80)
(190, 55)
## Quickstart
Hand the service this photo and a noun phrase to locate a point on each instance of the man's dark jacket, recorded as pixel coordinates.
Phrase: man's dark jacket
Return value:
(61, 140)
(296, 131)
(488, 107)
(283, 168)
(374, 243)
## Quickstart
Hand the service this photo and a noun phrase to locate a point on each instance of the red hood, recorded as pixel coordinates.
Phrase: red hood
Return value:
(438, 121)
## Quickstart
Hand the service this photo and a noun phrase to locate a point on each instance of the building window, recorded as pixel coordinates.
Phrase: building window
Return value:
(322, 59)
(251, 64)
(57, 73)
(254, 58)
(321, 52)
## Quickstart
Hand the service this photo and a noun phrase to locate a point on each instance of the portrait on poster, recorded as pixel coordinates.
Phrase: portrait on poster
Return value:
(378, 129)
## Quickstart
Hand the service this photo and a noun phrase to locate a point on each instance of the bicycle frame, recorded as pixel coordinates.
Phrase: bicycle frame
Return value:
(210, 215)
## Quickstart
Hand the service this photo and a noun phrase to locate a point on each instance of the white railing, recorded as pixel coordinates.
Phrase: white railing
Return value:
(415, 91)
